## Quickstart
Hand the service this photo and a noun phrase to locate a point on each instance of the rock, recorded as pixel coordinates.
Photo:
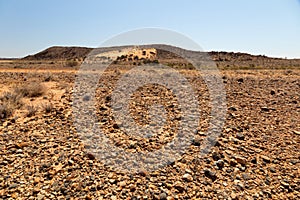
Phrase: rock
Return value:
(210, 174)
(216, 156)
(240, 186)
(37, 180)
(143, 173)
(40, 196)
(266, 158)
(22, 144)
(90, 156)
(115, 126)
(265, 109)
(246, 176)
(187, 177)
(163, 196)
(272, 92)
(254, 160)
(285, 184)
(112, 181)
(232, 108)
(268, 181)
(179, 186)
(196, 141)
(296, 132)
(234, 196)
(13, 185)
(294, 161)
(220, 164)
(71, 162)
(232, 162)
(241, 160)
(272, 169)
(240, 136)
(88, 197)
(122, 183)
(19, 151)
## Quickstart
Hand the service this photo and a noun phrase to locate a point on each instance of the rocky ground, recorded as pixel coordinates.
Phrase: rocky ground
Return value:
(256, 156)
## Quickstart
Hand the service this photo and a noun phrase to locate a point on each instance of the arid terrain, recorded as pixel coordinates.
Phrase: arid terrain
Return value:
(256, 156)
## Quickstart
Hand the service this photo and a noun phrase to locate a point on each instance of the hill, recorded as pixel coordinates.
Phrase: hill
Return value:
(222, 59)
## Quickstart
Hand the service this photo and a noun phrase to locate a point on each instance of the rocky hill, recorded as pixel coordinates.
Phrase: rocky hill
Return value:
(222, 59)
(60, 53)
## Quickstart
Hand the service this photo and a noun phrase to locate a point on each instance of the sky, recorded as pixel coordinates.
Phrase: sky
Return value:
(260, 27)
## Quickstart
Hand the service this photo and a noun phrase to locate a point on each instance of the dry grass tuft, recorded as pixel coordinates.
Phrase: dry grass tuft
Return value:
(30, 90)
(31, 110)
(47, 107)
(9, 102)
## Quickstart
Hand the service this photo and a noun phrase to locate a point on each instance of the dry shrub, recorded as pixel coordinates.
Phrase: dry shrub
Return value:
(5, 111)
(30, 90)
(47, 107)
(31, 110)
(71, 63)
(48, 77)
(9, 102)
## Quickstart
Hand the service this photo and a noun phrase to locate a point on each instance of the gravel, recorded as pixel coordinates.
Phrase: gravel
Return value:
(256, 156)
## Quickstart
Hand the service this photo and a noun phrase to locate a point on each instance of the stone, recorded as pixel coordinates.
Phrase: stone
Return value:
(220, 164)
(210, 174)
(37, 180)
(254, 160)
(90, 156)
(71, 162)
(272, 92)
(13, 185)
(122, 183)
(115, 126)
(285, 184)
(240, 136)
(143, 173)
(265, 109)
(272, 169)
(265, 159)
(163, 196)
(22, 145)
(216, 156)
(19, 151)
(232, 108)
(40, 196)
(196, 141)
(246, 176)
(296, 132)
(187, 177)
(241, 160)
(179, 186)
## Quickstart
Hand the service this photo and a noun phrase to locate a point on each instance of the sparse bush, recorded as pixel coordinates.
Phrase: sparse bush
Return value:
(252, 66)
(47, 107)
(30, 90)
(8, 103)
(48, 77)
(5, 111)
(71, 63)
(12, 99)
(31, 110)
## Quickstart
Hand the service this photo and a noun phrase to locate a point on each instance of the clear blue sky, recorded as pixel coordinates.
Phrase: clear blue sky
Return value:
(270, 27)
